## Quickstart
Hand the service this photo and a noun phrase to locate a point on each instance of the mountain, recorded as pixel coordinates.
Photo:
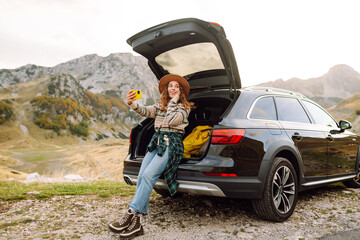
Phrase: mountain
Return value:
(340, 82)
(84, 96)
(114, 74)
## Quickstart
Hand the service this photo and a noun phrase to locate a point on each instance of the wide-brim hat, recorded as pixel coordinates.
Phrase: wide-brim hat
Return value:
(173, 77)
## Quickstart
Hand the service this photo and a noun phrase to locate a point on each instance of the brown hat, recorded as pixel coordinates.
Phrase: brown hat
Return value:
(173, 77)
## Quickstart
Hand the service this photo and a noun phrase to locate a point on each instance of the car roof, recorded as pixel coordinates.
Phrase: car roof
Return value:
(273, 91)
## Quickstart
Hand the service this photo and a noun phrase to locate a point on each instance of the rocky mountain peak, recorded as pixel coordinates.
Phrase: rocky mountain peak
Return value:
(340, 82)
(116, 73)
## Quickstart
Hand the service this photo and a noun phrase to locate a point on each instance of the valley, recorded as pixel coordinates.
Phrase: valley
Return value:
(91, 159)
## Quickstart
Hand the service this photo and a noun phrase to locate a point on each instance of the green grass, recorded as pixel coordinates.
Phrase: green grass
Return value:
(11, 190)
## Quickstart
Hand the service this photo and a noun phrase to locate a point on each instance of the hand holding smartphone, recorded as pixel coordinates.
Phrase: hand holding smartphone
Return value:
(138, 94)
(132, 95)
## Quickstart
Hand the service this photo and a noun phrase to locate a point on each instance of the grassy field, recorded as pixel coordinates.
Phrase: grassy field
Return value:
(13, 190)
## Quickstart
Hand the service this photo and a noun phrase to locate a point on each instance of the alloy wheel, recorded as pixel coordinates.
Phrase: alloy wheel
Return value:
(283, 189)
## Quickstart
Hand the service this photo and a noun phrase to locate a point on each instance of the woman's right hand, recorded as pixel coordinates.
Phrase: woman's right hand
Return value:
(130, 96)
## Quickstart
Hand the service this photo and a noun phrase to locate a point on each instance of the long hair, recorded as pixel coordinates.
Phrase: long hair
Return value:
(165, 99)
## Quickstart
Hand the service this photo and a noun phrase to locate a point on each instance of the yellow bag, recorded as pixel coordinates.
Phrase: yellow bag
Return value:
(194, 141)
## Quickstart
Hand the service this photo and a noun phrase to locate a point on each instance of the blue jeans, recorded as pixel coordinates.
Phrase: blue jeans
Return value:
(151, 169)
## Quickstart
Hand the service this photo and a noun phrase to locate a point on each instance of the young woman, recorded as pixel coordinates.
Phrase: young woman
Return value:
(165, 149)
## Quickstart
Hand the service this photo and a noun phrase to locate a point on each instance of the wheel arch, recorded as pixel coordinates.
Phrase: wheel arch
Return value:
(289, 155)
(285, 149)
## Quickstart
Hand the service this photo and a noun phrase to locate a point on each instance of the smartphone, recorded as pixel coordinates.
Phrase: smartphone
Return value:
(138, 94)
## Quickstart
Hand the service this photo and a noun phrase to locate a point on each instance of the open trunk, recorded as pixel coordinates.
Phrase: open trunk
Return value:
(200, 52)
(209, 111)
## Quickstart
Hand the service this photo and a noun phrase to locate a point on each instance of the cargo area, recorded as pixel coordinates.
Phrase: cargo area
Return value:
(209, 111)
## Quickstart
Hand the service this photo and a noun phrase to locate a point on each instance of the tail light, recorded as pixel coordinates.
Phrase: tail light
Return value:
(214, 23)
(227, 136)
(130, 137)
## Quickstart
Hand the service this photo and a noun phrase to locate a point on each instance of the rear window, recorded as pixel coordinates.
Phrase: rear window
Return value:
(190, 59)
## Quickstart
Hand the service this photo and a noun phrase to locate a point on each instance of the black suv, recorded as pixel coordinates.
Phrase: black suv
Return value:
(266, 144)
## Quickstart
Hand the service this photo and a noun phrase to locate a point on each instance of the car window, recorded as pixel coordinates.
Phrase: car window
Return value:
(290, 109)
(319, 115)
(264, 108)
(190, 59)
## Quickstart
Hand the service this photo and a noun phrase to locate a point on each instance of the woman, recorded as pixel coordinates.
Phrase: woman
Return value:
(165, 149)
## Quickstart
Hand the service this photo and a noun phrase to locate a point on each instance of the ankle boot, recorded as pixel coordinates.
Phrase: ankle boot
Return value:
(135, 229)
(123, 222)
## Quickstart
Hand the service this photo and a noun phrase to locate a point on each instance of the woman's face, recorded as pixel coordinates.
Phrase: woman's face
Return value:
(173, 89)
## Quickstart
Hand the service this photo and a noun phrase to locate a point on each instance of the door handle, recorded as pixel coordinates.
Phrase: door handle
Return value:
(297, 136)
(330, 138)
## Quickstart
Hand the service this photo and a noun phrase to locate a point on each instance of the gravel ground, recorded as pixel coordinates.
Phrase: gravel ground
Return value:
(319, 212)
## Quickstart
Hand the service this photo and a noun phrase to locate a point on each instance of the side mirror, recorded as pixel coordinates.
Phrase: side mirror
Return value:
(343, 124)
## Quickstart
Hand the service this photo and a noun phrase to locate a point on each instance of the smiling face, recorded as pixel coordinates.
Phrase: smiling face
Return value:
(173, 88)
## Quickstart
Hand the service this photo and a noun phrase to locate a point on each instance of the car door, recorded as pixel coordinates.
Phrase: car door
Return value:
(309, 140)
(342, 145)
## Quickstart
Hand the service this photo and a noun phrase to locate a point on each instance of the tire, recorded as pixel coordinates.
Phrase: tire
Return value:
(280, 192)
(353, 183)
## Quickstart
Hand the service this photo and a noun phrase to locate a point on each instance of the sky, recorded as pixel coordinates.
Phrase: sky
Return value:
(271, 39)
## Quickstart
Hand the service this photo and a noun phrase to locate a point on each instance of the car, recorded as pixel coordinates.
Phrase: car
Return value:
(266, 144)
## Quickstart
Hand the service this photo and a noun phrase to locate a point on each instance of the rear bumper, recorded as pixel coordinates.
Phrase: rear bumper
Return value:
(200, 188)
(192, 180)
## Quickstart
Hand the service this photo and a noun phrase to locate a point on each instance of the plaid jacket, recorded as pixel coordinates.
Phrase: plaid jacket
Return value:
(176, 150)
(174, 119)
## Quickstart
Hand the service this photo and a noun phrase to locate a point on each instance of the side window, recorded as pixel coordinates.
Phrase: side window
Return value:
(289, 109)
(264, 108)
(319, 115)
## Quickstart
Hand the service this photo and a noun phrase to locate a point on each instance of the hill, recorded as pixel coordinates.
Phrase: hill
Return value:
(112, 75)
(96, 83)
(340, 82)
(26, 148)
(348, 109)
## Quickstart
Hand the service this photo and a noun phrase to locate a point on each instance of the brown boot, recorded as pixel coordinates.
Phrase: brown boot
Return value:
(135, 229)
(123, 222)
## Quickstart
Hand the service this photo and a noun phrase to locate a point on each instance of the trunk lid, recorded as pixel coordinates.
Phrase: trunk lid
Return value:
(192, 48)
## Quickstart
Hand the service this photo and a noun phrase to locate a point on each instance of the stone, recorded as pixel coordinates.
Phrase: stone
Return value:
(33, 177)
(73, 177)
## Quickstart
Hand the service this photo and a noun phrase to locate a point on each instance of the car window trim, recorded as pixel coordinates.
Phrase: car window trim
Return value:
(253, 105)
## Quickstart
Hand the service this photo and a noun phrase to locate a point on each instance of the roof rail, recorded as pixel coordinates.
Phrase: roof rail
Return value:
(271, 89)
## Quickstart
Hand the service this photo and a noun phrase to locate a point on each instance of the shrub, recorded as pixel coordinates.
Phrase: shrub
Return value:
(6, 112)
(81, 129)
(358, 112)
(55, 111)
(101, 136)
(61, 105)
(103, 103)
(51, 89)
